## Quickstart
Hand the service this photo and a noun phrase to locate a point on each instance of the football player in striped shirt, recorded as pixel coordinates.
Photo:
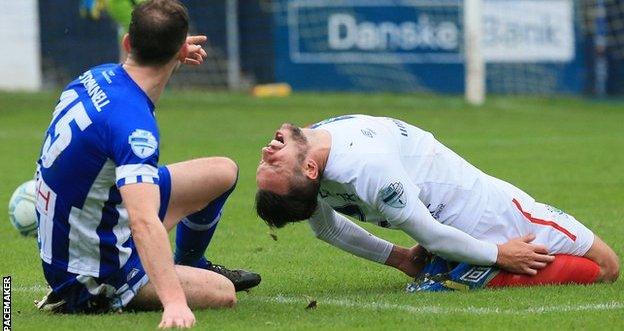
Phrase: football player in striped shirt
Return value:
(387, 172)
(105, 205)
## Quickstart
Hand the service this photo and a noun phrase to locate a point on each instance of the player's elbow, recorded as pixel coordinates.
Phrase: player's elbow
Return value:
(141, 226)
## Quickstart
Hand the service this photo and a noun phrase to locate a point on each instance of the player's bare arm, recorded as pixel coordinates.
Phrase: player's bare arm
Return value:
(141, 201)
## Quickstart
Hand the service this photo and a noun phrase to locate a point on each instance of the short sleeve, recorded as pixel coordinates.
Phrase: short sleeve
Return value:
(134, 148)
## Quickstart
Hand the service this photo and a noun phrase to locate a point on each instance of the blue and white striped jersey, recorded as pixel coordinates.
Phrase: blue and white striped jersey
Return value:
(103, 135)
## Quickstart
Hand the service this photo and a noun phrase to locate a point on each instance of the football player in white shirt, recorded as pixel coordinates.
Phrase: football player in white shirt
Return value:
(384, 171)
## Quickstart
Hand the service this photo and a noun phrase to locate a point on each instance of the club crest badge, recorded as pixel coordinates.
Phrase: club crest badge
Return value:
(393, 195)
(143, 143)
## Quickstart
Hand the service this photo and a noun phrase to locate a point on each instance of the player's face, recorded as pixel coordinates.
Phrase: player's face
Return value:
(281, 158)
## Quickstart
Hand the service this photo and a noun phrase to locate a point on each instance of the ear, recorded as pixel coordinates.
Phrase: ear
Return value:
(125, 42)
(311, 169)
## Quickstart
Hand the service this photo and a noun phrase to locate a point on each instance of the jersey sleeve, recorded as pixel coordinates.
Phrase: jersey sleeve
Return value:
(134, 148)
(386, 186)
(337, 230)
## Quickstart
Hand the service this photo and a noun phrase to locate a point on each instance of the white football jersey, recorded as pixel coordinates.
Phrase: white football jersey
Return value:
(372, 157)
(385, 171)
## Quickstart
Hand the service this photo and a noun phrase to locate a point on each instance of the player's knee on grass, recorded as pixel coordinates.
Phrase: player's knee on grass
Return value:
(216, 292)
(606, 259)
(609, 269)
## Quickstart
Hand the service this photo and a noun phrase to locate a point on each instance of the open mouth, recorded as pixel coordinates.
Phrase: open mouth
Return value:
(279, 137)
(276, 143)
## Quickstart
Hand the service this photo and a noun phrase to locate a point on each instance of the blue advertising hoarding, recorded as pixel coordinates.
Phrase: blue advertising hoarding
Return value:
(417, 45)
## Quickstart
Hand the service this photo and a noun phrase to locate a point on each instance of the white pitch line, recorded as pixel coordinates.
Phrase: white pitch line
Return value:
(385, 306)
(438, 310)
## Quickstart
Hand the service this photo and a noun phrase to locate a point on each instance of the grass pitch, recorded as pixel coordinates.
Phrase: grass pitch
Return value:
(565, 152)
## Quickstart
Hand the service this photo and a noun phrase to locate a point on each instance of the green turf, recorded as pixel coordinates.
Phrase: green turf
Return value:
(567, 152)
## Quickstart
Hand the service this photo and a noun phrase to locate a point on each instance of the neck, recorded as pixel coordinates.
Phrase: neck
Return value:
(319, 141)
(152, 80)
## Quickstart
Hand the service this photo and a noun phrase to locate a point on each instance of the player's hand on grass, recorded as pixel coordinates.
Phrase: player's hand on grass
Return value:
(195, 54)
(415, 261)
(523, 257)
(177, 316)
(409, 260)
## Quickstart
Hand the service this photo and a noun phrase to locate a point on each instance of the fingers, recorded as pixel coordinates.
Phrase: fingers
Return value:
(192, 62)
(167, 323)
(196, 60)
(543, 258)
(194, 48)
(529, 271)
(528, 238)
(199, 39)
(195, 56)
(538, 265)
(539, 248)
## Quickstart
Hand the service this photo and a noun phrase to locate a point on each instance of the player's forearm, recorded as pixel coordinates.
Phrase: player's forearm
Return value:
(340, 232)
(152, 243)
(451, 243)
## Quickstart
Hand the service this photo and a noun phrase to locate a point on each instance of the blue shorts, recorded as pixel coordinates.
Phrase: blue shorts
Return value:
(87, 294)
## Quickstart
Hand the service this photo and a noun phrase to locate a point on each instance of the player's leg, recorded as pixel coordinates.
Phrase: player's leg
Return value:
(203, 289)
(580, 256)
(199, 190)
(193, 194)
(195, 184)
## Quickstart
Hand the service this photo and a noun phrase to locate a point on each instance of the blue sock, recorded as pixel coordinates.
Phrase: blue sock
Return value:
(194, 232)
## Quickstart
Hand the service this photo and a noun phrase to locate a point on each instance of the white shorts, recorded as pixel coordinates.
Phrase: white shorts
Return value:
(559, 232)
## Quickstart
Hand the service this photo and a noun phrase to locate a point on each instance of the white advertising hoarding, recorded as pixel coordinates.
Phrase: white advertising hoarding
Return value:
(20, 58)
(528, 31)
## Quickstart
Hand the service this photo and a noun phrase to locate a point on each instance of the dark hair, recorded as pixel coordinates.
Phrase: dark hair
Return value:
(297, 205)
(157, 30)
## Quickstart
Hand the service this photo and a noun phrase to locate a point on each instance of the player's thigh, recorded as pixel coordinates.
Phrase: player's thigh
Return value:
(195, 183)
(560, 232)
(202, 288)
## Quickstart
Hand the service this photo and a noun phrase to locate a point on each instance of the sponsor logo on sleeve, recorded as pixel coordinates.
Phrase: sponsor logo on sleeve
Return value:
(143, 143)
(393, 195)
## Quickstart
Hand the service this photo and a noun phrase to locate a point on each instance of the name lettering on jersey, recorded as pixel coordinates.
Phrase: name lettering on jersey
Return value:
(393, 195)
(143, 143)
(436, 212)
(401, 127)
(98, 97)
(346, 196)
(368, 132)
